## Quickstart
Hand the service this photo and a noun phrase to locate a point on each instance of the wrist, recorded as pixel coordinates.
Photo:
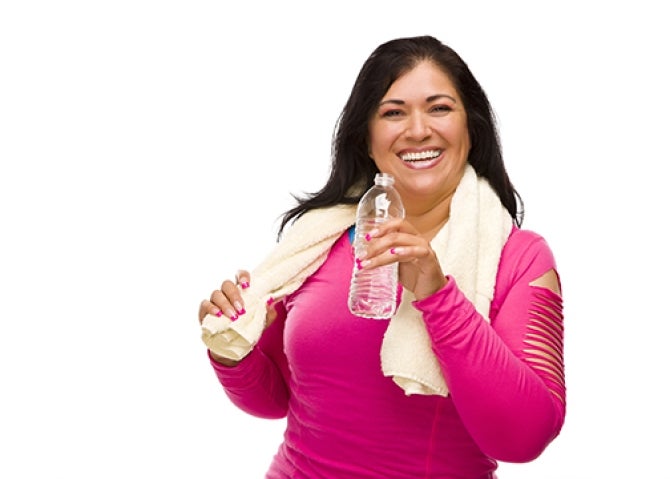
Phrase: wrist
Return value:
(429, 291)
(222, 360)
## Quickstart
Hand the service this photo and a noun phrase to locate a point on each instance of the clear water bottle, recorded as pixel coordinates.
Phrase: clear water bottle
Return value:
(373, 292)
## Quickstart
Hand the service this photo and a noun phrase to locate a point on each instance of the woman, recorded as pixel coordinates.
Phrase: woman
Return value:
(484, 294)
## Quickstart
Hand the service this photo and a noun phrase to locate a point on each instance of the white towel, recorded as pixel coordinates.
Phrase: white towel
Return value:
(302, 249)
(468, 247)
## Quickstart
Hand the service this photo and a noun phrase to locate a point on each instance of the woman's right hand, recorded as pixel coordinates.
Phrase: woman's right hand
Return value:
(228, 301)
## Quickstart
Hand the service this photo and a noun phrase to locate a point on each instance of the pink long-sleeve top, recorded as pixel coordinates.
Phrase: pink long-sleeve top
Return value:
(319, 366)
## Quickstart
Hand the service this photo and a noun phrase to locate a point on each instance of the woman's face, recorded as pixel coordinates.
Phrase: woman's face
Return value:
(419, 135)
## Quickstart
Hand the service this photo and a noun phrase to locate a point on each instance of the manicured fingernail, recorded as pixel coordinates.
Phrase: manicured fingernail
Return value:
(239, 307)
(234, 317)
(270, 301)
(219, 314)
(360, 263)
(392, 251)
(244, 284)
(368, 237)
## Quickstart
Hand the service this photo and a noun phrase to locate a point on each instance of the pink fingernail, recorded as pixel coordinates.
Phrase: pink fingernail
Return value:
(392, 251)
(238, 307)
(368, 237)
(270, 301)
(244, 284)
(219, 314)
(234, 317)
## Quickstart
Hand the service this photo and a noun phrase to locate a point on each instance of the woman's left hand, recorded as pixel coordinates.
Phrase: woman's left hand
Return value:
(418, 267)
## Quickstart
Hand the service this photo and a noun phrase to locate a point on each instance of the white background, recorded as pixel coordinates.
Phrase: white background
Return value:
(147, 148)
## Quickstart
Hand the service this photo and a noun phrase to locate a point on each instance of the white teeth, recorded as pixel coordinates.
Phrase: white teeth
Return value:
(424, 155)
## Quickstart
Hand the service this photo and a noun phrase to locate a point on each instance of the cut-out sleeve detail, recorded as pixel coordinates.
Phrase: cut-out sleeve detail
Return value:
(505, 373)
(544, 339)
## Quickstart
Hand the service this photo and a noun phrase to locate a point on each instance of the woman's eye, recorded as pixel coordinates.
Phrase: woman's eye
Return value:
(441, 108)
(391, 113)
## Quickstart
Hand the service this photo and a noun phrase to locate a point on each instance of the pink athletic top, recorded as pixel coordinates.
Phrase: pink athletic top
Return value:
(319, 366)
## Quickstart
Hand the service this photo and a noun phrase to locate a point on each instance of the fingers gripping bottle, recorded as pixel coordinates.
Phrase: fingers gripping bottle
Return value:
(373, 292)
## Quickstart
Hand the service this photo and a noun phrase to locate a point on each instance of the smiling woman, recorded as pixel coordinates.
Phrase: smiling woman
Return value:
(422, 121)
(479, 292)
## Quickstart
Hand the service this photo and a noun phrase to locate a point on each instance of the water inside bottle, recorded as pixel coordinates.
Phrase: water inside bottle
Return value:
(373, 291)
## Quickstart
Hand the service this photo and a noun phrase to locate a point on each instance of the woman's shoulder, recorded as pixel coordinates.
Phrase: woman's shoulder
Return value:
(521, 237)
(526, 251)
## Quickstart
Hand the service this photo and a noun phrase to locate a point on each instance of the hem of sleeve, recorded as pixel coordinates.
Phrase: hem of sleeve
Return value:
(438, 298)
(242, 371)
(446, 311)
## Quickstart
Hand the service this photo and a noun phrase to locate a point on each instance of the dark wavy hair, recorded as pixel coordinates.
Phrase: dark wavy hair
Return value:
(351, 165)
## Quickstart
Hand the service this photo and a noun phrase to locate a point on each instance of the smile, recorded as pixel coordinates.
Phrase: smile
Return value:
(422, 159)
(424, 155)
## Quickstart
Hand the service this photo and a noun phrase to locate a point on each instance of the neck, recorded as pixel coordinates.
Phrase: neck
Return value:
(430, 219)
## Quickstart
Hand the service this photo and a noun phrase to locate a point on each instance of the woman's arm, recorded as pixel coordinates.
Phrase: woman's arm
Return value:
(258, 384)
(505, 378)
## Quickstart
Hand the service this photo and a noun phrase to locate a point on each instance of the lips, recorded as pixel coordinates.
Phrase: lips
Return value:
(421, 159)
(420, 156)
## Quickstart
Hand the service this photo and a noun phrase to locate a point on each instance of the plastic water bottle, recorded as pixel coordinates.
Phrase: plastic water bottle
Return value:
(373, 292)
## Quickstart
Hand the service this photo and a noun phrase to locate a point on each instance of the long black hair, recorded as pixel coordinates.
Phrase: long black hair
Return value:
(352, 171)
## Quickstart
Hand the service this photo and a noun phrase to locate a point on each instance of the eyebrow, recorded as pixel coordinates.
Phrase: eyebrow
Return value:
(430, 99)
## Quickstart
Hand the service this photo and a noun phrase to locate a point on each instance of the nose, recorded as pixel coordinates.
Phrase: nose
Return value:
(418, 127)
